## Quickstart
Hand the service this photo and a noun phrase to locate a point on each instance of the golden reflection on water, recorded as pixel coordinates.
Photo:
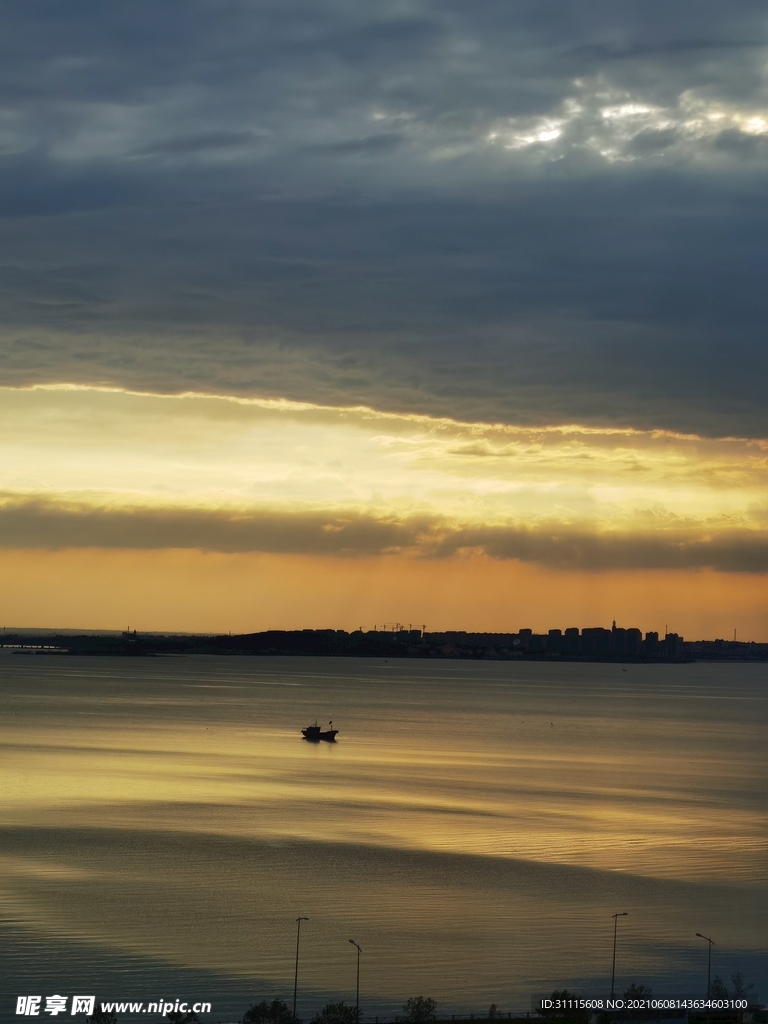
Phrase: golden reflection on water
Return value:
(656, 813)
(461, 802)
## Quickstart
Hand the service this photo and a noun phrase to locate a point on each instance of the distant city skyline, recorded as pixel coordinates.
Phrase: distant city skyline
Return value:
(594, 643)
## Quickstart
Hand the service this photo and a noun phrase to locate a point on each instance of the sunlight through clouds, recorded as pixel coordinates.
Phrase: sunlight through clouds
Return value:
(620, 125)
(222, 473)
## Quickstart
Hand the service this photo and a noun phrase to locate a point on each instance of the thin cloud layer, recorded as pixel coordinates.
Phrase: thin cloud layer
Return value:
(525, 213)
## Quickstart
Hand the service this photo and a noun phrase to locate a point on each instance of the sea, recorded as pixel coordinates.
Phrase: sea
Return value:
(473, 830)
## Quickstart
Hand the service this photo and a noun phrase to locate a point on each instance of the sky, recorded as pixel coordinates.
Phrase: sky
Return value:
(329, 314)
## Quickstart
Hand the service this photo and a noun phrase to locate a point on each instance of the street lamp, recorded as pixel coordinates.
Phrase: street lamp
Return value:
(296, 974)
(357, 991)
(613, 969)
(709, 955)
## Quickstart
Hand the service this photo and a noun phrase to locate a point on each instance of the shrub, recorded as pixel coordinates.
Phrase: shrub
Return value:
(275, 1012)
(420, 1010)
(100, 1016)
(637, 992)
(567, 1016)
(336, 1013)
(719, 990)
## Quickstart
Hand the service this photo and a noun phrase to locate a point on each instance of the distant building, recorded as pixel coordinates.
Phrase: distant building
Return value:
(596, 640)
(572, 640)
(555, 642)
(634, 643)
(618, 640)
(673, 645)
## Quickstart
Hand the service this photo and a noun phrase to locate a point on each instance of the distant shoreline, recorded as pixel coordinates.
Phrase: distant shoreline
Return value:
(593, 646)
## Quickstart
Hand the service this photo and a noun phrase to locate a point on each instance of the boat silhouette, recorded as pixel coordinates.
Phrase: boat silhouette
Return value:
(315, 733)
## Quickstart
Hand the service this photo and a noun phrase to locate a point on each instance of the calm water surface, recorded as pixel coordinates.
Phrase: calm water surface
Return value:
(473, 829)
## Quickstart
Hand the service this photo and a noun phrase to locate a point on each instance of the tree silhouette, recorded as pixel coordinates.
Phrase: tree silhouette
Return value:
(567, 1016)
(740, 986)
(336, 1013)
(418, 1009)
(100, 1016)
(637, 992)
(275, 1012)
(719, 990)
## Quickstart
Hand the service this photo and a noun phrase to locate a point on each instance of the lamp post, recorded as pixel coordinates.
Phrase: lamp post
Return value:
(613, 969)
(711, 943)
(296, 973)
(357, 990)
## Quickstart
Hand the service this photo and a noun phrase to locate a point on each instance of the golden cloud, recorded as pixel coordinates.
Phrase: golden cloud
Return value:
(46, 524)
(85, 467)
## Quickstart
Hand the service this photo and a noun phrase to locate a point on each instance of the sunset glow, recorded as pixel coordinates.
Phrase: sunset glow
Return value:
(261, 498)
(383, 510)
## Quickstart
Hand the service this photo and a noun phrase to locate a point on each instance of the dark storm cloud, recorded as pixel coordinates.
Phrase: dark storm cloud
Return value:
(527, 211)
(40, 523)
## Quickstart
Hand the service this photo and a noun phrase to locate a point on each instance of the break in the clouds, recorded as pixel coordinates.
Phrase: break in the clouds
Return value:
(86, 468)
(527, 212)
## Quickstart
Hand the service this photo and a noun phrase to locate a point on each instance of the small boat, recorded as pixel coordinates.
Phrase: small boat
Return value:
(315, 732)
